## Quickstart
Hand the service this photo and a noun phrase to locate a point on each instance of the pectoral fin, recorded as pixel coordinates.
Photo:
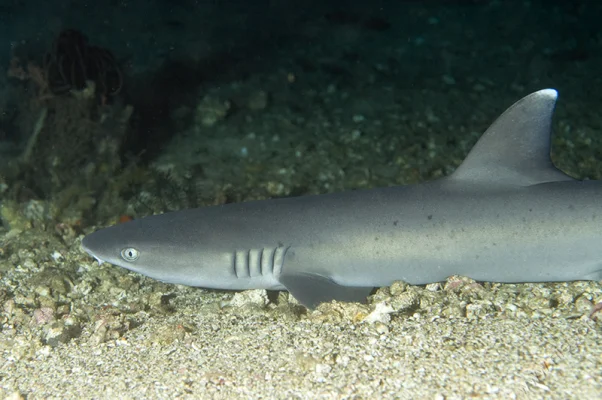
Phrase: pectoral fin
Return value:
(313, 289)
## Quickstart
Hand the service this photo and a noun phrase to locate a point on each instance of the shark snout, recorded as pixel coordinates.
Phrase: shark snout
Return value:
(90, 252)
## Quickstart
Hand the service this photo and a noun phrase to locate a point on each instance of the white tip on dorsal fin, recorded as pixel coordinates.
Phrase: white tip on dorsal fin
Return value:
(515, 150)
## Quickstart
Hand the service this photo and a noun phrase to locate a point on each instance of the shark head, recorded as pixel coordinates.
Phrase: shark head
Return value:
(156, 248)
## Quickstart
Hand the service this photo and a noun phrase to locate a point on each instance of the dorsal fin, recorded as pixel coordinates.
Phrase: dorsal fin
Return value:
(515, 150)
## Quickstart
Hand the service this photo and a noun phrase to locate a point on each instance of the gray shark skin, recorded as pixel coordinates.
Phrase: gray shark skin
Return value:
(506, 215)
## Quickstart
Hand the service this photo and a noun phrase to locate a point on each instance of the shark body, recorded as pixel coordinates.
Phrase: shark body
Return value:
(505, 215)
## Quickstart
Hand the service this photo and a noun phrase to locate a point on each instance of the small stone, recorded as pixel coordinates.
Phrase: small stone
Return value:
(305, 361)
(99, 335)
(381, 328)
(323, 369)
(433, 287)
(398, 287)
(342, 360)
(257, 297)
(59, 333)
(583, 305)
(258, 101)
(479, 309)
(42, 316)
(210, 111)
(405, 301)
(380, 314)
(454, 311)
(357, 118)
(15, 396)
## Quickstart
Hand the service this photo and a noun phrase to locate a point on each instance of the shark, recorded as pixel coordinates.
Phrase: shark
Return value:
(506, 214)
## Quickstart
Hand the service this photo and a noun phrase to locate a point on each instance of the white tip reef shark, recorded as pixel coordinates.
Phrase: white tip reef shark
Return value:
(505, 215)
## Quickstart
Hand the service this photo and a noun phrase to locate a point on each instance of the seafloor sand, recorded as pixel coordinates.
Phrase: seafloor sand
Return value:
(250, 352)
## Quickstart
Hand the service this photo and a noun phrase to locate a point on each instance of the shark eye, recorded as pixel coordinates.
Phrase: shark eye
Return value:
(130, 254)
